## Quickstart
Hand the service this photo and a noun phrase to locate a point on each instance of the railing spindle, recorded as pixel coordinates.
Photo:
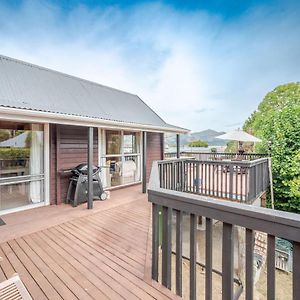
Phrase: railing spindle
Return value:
(241, 183)
(205, 174)
(218, 189)
(237, 170)
(271, 267)
(208, 259)
(249, 263)
(221, 181)
(202, 178)
(190, 172)
(209, 179)
(193, 256)
(227, 261)
(231, 170)
(213, 180)
(179, 252)
(166, 246)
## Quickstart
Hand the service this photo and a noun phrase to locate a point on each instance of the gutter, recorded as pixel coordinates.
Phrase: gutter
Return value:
(8, 113)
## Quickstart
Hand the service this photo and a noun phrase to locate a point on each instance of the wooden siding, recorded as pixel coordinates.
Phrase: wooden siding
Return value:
(68, 149)
(154, 149)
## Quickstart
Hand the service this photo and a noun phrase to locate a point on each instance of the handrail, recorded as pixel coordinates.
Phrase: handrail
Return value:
(216, 155)
(252, 218)
(235, 180)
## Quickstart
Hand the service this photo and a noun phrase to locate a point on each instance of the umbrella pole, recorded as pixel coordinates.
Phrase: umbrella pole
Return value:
(271, 181)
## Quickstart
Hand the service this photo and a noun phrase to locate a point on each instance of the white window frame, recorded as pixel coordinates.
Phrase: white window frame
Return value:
(102, 156)
(45, 177)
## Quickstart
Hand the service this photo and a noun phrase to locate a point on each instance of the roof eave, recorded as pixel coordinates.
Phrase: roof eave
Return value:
(9, 113)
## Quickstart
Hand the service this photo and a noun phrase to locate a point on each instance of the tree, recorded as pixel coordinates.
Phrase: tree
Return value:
(198, 143)
(4, 135)
(277, 123)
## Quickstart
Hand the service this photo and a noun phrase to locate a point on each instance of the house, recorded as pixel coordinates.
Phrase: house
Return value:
(124, 248)
(45, 117)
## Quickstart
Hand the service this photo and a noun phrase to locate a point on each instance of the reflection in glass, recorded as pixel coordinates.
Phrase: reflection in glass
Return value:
(130, 169)
(130, 142)
(113, 171)
(113, 142)
(21, 164)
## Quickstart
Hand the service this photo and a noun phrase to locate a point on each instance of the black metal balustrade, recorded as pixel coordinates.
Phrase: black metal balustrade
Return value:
(242, 181)
(170, 199)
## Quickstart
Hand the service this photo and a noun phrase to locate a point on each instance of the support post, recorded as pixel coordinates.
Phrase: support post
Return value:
(90, 168)
(144, 179)
(178, 145)
(162, 146)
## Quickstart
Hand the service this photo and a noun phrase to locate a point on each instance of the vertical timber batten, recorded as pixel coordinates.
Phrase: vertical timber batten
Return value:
(90, 167)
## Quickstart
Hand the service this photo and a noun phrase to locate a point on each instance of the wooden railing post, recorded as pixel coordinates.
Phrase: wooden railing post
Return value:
(208, 259)
(249, 263)
(227, 261)
(166, 246)
(193, 256)
(296, 270)
(90, 167)
(155, 241)
(144, 156)
(271, 267)
(179, 252)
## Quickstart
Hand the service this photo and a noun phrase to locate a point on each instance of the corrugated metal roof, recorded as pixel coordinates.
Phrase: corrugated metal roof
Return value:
(27, 86)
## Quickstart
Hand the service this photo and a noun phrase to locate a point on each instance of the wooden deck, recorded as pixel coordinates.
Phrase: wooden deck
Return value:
(62, 252)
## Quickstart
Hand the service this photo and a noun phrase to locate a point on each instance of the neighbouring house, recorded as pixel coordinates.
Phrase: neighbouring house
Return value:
(44, 121)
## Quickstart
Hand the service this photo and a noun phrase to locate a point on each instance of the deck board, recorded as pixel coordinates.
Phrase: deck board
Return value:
(84, 254)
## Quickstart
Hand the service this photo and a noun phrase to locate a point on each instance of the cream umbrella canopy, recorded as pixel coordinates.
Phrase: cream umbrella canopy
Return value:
(239, 136)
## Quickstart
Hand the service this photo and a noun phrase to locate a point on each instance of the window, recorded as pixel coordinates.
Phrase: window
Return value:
(21, 164)
(121, 157)
(113, 142)
(130, 143)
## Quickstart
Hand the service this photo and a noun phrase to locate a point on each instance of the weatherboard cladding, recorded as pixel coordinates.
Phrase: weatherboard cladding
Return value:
(26, 86)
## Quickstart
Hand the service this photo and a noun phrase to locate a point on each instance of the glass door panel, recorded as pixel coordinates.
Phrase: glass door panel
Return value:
(21, 164)
(122, 157)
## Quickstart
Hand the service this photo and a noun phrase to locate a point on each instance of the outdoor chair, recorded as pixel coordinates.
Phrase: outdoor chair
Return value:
(13, 289)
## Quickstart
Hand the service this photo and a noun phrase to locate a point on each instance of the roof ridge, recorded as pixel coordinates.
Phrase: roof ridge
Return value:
(62, 73)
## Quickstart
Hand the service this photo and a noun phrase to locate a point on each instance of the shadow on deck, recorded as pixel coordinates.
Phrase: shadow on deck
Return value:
(62, 252)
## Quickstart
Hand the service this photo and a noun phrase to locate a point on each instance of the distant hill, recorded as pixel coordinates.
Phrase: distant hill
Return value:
(208, 136)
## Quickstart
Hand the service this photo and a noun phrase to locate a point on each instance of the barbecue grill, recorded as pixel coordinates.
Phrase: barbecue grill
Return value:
(78, 186)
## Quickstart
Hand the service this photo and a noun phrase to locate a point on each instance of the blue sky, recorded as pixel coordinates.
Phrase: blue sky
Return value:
(199, 64)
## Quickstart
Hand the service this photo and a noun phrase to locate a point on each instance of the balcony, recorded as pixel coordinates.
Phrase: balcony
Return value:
(185, 261)
(225, 176)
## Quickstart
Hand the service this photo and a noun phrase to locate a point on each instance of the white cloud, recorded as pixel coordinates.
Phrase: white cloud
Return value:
(180, 62)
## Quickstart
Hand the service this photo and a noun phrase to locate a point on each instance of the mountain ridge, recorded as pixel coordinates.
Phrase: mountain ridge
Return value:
(207, 135)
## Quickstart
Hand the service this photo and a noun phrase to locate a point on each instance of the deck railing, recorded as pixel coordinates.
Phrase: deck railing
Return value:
(242, 181)
(251, 218)
(215, 155)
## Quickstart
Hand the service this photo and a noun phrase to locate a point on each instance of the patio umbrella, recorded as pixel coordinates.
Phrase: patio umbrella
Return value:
(239, 136)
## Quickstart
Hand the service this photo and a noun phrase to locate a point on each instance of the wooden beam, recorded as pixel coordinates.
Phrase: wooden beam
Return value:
(57, 174)
(90, 167)
(144, 179)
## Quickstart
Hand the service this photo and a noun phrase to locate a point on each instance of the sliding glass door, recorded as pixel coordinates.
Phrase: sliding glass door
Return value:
(121, 157)
(21, 164)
